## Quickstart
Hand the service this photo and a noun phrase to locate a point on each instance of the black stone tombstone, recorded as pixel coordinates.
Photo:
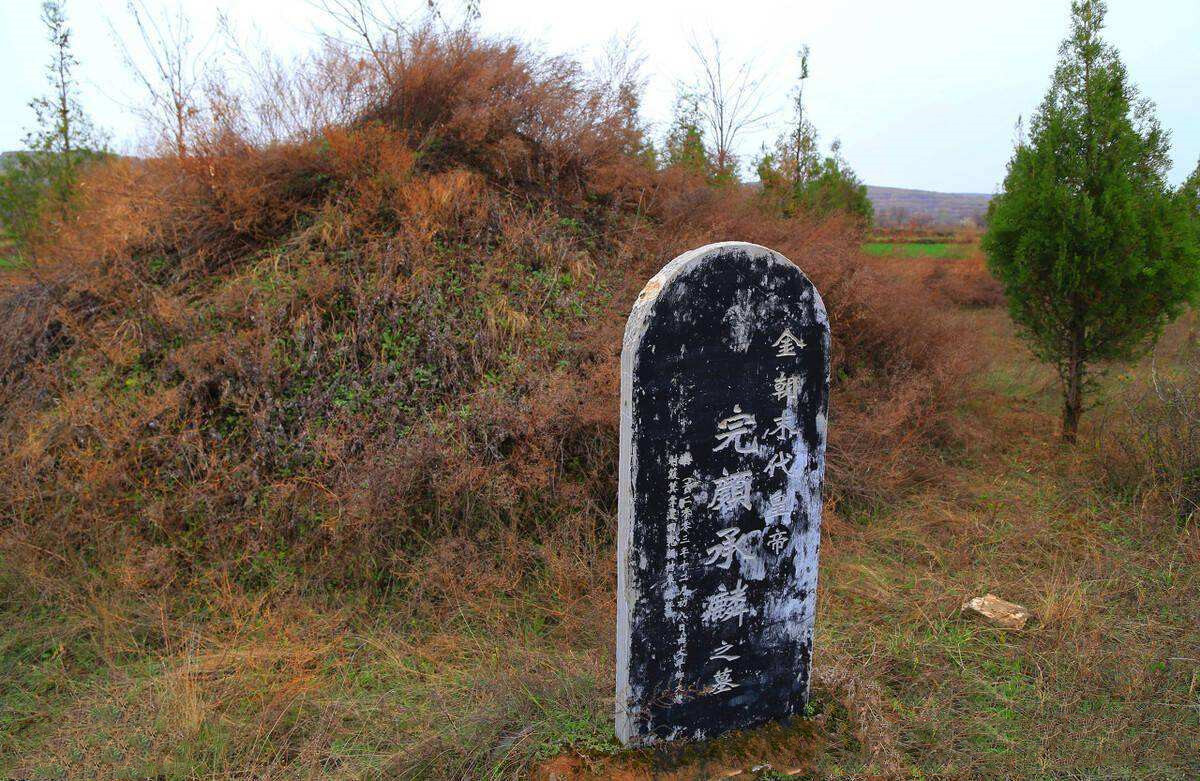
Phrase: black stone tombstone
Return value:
(724, 392)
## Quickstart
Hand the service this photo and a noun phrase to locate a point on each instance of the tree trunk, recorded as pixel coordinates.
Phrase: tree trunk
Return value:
(1073, 391)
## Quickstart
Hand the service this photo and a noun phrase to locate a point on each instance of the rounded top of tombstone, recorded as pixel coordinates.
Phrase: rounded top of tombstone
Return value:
(692, 260)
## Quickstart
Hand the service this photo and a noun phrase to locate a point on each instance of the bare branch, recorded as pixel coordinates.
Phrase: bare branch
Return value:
(729, 99)
(376, 31)
(171, 75)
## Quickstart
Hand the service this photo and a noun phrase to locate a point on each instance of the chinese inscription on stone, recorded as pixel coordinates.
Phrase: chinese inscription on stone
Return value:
(724, 393)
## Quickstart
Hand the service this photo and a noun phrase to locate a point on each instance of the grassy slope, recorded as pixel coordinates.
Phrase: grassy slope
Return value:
(483, 675)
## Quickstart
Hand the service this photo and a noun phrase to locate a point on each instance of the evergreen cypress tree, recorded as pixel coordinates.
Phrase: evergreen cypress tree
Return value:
(796, 178)
(684, 147)
(42, 179)
(1094, 249)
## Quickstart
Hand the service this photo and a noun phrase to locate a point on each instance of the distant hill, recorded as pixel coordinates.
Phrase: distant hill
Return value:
(897, 205)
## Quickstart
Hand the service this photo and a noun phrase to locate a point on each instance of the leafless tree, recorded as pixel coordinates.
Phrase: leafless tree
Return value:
(271, 99)
(729, 99)
(375, 26)
(372, 29)
(618, 79)
(171, 71)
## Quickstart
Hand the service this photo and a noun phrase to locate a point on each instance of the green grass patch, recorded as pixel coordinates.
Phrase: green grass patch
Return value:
(890, 249)
(9, 257)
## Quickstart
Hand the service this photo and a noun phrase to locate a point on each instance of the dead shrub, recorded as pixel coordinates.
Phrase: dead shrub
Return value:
(967, 284)
(523, 119)
(866, 706)
(1151, 447)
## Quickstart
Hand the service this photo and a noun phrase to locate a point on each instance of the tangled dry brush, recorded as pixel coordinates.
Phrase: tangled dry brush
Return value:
(382, 311)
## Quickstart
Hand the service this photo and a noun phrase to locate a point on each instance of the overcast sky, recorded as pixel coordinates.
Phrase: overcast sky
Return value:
(922, 94)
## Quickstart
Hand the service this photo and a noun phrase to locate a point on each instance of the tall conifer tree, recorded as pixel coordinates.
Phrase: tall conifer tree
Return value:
(1095, 250)
(41, 180)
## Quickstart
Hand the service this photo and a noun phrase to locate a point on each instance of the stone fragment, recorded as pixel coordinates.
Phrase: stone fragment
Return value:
(996, 611)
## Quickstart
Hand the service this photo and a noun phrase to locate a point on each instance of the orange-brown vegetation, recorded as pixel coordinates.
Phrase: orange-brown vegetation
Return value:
(314, 353)
(965, 284)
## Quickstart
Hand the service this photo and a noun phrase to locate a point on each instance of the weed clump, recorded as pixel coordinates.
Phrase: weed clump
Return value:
(1150, 448)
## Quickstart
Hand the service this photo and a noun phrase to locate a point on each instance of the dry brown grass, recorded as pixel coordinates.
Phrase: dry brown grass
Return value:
(1149, 443)
(1102, 685)
(966, 284)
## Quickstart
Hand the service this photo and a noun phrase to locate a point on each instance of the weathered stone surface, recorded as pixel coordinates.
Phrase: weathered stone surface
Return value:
(997, 612)
(724, 392)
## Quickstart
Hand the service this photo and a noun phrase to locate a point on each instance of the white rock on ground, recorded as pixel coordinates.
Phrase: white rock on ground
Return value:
(996, 611)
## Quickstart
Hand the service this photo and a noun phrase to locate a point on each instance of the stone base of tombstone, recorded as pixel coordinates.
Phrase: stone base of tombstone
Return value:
(724, 393)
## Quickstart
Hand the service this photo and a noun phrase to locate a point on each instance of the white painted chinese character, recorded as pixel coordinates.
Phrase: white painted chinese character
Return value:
(733, 428)
(722, 652)
(777, 507)
(730, 491)
(726, 604)
(731, 544)
(787, 344)
(777, 540)
(785, 424)
(723, 682)
(788, 387)
(780, 461)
